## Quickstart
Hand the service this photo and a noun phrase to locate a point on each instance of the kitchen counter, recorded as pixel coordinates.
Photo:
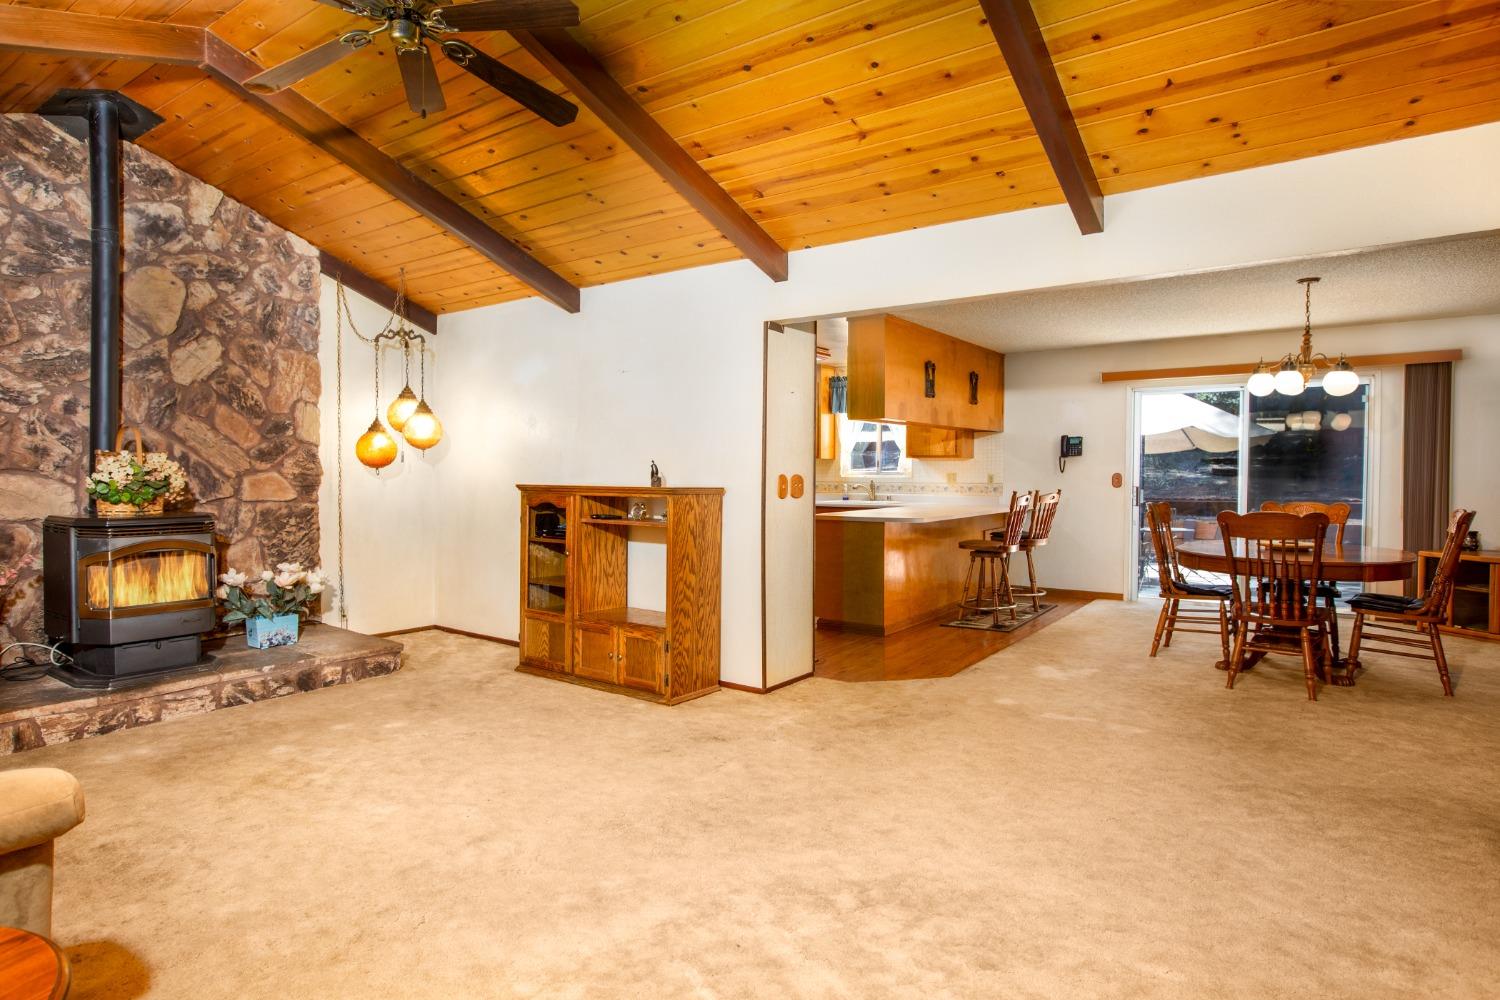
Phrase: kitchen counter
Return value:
(886, 567)
(917, 513)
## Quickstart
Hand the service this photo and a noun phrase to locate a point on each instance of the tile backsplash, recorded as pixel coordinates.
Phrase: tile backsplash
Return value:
(980, 475)
(904, 486)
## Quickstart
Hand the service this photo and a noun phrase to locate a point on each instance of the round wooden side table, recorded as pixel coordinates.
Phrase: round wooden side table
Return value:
(31, 967)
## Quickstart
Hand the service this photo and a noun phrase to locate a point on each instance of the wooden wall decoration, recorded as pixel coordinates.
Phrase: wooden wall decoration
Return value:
(825, 120)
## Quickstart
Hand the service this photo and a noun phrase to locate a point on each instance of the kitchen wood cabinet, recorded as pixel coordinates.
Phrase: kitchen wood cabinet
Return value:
(828, 433)
(575, 625)
(888, 359)
(923, 441)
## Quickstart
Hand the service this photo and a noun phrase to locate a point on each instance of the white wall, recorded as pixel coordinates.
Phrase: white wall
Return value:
(1050, 393)
(390, 515)
(670, 367)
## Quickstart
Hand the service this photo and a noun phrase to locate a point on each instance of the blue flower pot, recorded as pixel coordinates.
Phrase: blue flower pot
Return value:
(263, 633)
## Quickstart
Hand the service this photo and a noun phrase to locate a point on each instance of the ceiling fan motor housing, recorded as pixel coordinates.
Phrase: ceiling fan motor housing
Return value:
(406, 33)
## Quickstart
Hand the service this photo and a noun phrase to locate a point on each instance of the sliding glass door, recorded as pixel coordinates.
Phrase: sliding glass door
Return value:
(1212, 448)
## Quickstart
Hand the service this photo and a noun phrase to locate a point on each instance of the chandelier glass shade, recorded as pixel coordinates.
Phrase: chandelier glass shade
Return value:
(1290, 376)
(401, 408)
(423, 429)
(375, 447)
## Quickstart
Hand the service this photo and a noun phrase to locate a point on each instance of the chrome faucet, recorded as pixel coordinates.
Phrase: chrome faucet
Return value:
(870, 490)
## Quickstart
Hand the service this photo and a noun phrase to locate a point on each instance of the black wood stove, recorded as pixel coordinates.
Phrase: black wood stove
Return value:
(127, 597)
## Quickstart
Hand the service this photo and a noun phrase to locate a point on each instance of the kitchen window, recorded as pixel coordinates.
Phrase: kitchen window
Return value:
(871, 448)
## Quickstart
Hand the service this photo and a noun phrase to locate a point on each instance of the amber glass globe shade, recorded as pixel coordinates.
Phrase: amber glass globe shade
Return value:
(423, 429)
(375, 447)
(401, 409)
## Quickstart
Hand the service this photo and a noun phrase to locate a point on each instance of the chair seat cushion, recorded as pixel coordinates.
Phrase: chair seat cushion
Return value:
(983, 545)
(37, 804)
(1328, 590)
(1204, 590)
(1392, 603)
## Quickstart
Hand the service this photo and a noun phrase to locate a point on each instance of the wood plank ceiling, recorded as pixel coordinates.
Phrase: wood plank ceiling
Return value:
(827, 120)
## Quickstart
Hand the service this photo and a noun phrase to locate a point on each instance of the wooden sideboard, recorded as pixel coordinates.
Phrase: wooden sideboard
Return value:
(1474, 609)
(576, 622)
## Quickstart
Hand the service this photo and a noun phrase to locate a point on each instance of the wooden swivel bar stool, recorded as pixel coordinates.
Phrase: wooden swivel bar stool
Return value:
(1043, 510)
(991, 556)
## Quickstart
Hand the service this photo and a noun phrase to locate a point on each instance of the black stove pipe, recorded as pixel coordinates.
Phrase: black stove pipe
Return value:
(105, 339)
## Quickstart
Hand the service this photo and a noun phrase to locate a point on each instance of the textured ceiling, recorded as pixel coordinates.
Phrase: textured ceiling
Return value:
(1455, 277)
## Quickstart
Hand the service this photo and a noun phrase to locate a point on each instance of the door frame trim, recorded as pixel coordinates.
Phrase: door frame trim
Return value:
(765, 483)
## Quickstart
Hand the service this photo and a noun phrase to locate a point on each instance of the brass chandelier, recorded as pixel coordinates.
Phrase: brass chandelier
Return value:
(1293, 372)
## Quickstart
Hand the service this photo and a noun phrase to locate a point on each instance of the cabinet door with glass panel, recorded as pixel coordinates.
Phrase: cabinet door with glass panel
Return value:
(546, 576)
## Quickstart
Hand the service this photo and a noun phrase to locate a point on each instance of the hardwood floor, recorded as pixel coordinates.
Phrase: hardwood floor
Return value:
(927, 650)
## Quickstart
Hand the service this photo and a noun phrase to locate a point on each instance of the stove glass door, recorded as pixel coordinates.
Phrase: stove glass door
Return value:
(147, 576)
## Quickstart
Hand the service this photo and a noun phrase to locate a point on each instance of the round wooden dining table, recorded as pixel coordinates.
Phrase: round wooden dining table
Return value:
(1341, 564)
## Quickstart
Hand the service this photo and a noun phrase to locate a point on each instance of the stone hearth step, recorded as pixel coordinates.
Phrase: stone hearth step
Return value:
(44, 712)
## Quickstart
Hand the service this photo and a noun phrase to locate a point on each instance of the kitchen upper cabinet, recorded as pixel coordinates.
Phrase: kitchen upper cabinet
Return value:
(893, 363)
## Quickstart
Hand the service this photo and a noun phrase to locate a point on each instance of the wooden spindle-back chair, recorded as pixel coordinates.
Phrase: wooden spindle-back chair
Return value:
(1043, 512)
(1337, 513)
(1175, 589)
(1338, 518)
(991, 557)
(1275, 561)
(1402, 621)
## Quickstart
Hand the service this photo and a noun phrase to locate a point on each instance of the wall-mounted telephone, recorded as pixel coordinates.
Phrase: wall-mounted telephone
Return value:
(1070, 447)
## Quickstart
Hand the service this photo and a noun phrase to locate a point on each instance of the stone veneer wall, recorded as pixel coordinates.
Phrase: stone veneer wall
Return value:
(221, 355)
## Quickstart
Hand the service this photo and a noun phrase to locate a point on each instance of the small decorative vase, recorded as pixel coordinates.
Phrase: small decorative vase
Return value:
(263, 633)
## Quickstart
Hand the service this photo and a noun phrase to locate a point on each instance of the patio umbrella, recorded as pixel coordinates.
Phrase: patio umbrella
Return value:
(1174, 421)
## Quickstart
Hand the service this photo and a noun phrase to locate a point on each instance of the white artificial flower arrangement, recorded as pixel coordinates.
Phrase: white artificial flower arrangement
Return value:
(290, 589)
(120, 477)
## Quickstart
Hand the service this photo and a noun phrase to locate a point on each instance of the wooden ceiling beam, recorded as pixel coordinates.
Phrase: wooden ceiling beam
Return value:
(92, 36)
(589, 82)
(381, 294)
(232, 67)
(1015, 27)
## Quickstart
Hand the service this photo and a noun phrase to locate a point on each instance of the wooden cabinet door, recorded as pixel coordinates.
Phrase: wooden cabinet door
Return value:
(594, 653)
(642, 660)
(544, 642)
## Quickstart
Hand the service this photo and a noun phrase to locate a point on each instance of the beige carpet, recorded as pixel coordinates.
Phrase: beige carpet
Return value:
(1066, 819)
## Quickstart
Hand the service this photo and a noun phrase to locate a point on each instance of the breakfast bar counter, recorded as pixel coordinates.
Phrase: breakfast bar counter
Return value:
(880, 569)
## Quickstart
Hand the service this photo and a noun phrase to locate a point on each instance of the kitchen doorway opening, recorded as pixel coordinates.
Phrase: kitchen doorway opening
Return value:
(863, 520)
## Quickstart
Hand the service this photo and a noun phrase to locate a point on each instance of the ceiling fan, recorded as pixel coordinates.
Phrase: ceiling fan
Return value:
(411, 24)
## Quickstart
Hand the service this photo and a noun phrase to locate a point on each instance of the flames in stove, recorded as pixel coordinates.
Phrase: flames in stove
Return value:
(148, 578)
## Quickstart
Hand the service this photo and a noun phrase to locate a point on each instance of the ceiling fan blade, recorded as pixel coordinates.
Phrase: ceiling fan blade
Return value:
(530, 95)
(503, 15)
(423, 92)
(296, 68)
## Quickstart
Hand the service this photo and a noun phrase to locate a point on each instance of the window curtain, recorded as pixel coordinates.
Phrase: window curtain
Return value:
(1426, 460)
(838, 393)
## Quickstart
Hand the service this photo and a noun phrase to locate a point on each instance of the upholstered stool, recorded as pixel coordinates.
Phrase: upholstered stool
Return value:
(37, 805)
